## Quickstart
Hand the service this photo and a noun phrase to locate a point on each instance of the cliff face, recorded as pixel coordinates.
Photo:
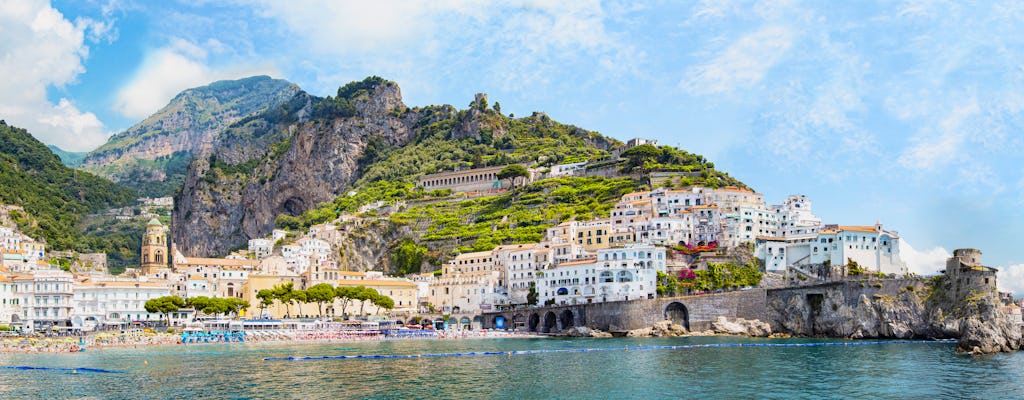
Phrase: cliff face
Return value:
(152, 155)
(904, 309)
(285, 162)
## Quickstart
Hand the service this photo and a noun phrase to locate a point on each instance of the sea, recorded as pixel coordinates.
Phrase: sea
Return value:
(522, 368)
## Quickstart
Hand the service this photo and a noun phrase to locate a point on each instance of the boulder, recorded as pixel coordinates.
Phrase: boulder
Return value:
(582, 331)
(743, 327)
(667, 328)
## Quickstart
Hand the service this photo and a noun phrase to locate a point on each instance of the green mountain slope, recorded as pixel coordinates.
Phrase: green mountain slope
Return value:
(153, 155)
(69, 158)
(481, 136)
(55, 196)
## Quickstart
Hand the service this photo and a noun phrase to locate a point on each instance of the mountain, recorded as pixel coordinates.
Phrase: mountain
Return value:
(153, 155)
(312, 158)
(54, 196)
(71, 159)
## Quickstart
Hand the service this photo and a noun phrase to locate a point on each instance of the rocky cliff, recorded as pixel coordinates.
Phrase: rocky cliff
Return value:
(904, 309)
(152, 155)
(286, 161)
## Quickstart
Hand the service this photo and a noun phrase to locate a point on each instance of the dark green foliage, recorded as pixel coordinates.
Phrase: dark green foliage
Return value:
(512, 172)
(640, 155)
(341, 106)
(726, 276)
(407, 257)
(532, 297)
(853, 268)
(165, 305)
(54, 195)
(120, 240)
(217, 305)
(668, 285)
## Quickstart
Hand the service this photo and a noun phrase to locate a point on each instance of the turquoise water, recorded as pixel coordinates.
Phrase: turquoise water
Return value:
(919, 370)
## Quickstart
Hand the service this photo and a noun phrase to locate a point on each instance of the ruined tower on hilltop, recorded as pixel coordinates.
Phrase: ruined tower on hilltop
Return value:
(965, 274)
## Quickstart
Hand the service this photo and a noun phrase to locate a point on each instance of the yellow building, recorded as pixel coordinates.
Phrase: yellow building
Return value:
(404, 294)
(154, 247)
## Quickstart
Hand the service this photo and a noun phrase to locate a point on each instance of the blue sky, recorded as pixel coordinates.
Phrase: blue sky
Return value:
(909, 112)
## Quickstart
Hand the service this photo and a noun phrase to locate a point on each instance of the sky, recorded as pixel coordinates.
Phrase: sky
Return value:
(905, 112)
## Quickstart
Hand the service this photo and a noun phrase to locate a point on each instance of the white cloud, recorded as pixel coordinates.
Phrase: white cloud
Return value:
(743, 64)
(924, 262)
(41, 49)
(516, 44)
(169, 70)
(1011, 279)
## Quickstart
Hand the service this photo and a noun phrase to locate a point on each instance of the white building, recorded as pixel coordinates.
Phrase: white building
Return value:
(625, 273)
(113, 302)
(7, 298)
(517, 265)
(872, 247)
(261, 247)
(44, 299)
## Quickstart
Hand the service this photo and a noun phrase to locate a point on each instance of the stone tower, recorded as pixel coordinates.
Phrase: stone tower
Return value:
(154, 247)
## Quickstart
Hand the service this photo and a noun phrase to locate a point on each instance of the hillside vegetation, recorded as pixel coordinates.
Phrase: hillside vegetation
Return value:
(482, 136)
(55, 197)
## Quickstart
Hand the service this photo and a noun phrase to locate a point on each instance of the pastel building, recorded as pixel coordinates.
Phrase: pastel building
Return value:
(872, 247)
(113, 301)
(623, 273)
(44, 299)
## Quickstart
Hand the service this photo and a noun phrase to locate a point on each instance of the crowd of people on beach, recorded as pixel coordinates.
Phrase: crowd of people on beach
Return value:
(70, 344)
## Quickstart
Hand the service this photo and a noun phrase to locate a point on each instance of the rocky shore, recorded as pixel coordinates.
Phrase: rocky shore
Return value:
(723, 326)
(900, 309)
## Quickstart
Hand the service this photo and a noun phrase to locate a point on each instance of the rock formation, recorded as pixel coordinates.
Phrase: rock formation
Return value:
(281, 165)
(740, 326)
(961, 304)
(153, 154)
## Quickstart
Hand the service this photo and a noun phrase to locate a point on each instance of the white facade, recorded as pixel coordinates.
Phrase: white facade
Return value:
(518, 264)
(44, 299)
(872, 247)
(261, 247)
(625, 273)
(114, 302)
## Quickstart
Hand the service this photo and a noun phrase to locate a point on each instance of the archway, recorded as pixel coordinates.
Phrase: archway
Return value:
(464, 323)
(678, 314)
(424, 323)
(518, 321)
(550, 322)
(567, 319)
(534, 322)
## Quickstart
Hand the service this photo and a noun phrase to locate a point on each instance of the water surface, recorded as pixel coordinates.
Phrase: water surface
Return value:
(919, 370)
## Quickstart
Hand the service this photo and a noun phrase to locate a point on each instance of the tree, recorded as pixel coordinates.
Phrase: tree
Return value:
(497, 107)
(511, 172)
(533, 296)
(266, 297)
(382, 301)
(198, 303)
(283, 292)
(345, 294)
(363, 294)
(320, 293)
(298, 297)
(640, 155)
(165, 305)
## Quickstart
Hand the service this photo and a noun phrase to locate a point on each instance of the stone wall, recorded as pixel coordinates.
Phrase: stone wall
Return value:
(694, 312)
